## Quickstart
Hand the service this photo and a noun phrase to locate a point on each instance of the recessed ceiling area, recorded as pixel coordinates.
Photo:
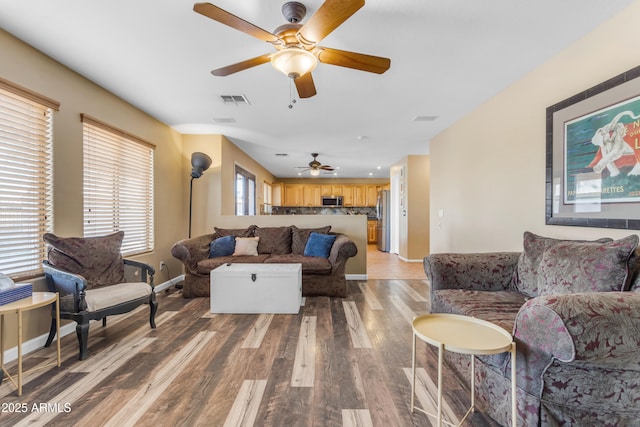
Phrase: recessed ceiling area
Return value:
(447, 57)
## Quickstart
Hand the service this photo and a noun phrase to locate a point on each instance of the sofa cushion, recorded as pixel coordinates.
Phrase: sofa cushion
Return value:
(300, 236)
(499, 307)
(235, 232)
(274, 240)
(525, 279)
(319, 244)
(310, 265)
(223, 246)
(97, 259)
(206, 265)
(573, 267)
(246, 246)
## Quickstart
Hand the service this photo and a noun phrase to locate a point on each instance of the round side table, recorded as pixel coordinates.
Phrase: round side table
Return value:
(466, 335)
(36, 300)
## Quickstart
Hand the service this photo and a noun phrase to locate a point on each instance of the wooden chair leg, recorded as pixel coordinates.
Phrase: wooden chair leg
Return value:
(52, 333)
(82, 331)
(153, 305)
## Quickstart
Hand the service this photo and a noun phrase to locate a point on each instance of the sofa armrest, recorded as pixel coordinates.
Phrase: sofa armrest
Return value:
(595, 327)
(192, 251)
(343, 248)
(490, 271)
(71, 288)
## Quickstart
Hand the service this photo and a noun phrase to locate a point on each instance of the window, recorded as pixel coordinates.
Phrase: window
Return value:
(26, 184)
(266, 191)
(245, 192)
(118, 185)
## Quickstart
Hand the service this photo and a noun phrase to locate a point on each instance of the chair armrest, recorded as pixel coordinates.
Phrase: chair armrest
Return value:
(70, 287)
(595, 327)
(343, 248)
(192, 251)
(145, 270)
(491, 271)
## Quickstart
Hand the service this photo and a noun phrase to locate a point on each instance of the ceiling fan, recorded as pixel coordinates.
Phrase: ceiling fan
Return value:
(315, 166)
(297, 51)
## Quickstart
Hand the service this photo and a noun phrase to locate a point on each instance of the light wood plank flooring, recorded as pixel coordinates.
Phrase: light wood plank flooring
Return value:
(383, 265)
(339, 362)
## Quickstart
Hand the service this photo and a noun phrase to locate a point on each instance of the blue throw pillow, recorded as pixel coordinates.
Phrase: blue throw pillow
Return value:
(319, 244)
(222, 246)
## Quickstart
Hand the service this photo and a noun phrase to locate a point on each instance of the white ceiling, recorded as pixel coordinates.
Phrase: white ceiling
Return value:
(447, 57)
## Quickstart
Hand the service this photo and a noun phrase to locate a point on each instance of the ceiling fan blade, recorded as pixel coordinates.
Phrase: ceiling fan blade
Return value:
(234, 68)
(305, 86)
(357, 61)
(326, 168)
(226, 18)
(327, 18)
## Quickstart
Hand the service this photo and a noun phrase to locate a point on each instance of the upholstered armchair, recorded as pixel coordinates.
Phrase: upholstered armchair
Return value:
(94, 281)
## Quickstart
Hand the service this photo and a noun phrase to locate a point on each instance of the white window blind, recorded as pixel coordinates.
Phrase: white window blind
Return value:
(118, 185)
(26, 185)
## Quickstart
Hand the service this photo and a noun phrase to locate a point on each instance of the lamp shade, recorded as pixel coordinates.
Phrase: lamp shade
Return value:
(314, 172)
(294, 62)
(200, 162)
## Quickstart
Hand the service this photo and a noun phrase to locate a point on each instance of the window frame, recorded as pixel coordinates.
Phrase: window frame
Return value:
(111, 201)
(26, 175)
(248, 202)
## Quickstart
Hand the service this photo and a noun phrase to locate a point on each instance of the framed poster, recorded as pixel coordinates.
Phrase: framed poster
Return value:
(593, 156)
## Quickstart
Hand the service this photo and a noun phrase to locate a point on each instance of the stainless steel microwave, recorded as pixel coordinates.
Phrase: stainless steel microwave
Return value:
(332, 201)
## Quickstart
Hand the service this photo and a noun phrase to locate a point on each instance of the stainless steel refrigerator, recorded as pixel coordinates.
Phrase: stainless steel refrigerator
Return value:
(383, 222)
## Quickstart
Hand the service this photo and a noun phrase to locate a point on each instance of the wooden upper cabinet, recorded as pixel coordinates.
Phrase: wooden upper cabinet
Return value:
(359, 195)
(312, 195)
(372, 194)
(293, 195)
(336, 190)
(276, 194)
(326, 190)
(347, 195)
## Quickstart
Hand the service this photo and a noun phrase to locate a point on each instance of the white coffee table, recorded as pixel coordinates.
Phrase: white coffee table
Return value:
(256, 288)
(466, 335)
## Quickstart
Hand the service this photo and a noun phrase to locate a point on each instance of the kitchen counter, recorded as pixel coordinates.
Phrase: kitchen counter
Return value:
(370, 212)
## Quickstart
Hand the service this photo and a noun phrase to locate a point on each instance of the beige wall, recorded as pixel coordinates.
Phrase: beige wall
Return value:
(488, 170)
(27, 67)
(413, 211)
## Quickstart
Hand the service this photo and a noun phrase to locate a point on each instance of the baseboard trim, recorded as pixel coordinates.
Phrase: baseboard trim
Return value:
(38, 342)
(355, 276)
(409, 260)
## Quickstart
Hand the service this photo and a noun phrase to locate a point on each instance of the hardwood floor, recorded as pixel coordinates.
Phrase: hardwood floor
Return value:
(383, 265)
(339, 362)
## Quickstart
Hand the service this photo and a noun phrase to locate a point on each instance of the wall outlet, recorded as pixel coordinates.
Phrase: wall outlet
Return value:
(162, 265)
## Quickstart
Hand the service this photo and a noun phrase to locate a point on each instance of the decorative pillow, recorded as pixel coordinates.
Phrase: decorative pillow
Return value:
(319, 244)
(246, 246)
(274, 240)
(222, 246)
(299, 237)
(235, 232)
(97, 259)
(525, 279)
(572, 267)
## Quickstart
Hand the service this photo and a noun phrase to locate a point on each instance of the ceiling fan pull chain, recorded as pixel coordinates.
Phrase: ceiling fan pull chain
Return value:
(292, 96)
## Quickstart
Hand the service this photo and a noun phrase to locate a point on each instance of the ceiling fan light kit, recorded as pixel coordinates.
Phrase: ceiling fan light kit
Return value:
(297, 47)
(294, 62)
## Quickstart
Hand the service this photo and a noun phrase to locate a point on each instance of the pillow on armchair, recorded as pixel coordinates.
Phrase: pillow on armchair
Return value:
(97, 259)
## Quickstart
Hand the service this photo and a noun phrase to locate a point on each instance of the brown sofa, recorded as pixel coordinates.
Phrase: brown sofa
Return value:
(320, 276)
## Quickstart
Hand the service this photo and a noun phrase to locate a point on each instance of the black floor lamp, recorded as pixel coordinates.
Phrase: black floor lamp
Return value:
(200, 162)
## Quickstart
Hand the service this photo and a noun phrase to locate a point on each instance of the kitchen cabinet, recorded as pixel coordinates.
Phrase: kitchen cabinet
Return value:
(347, 195)
(359, 195)
(326, 190)
(276, 194)
(312, 195)
(293, 195)
(371, 231)
(372, 194)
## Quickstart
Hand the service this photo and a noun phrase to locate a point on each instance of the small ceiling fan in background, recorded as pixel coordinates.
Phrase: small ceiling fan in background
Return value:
(297, 51)
(315, 166)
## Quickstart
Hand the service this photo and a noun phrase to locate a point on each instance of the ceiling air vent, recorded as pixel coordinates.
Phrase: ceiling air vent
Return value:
(424, 118)
(234, 99)
(224, 120)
